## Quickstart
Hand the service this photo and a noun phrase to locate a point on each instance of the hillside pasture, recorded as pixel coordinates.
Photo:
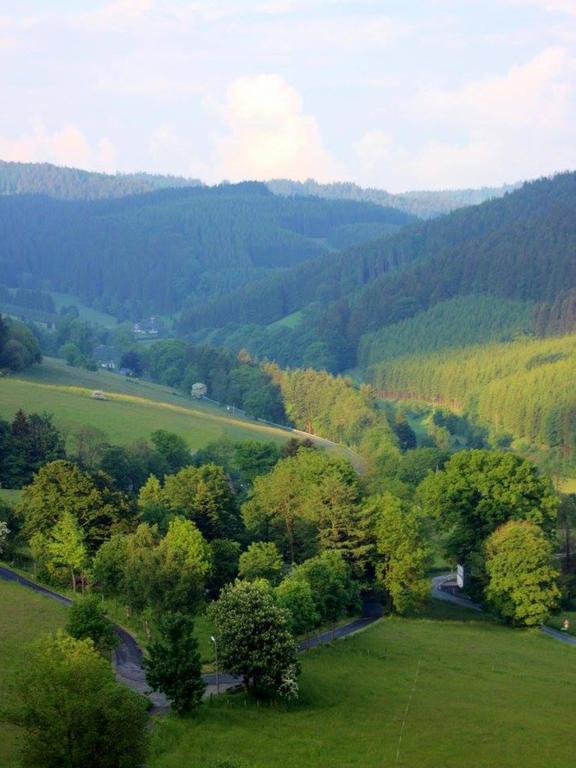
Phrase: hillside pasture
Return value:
(24, 617)
(447, 689)
(132, 410)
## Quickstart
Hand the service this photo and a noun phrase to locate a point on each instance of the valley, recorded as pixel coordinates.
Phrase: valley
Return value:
(339, 402)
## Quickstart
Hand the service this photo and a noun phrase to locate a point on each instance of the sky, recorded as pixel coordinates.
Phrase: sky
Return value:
(399, 95)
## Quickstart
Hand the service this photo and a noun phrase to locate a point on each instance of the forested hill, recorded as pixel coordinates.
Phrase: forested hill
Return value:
(523, 389)
(75, 184)
(521, 247)
(424, 204)
(155, 252)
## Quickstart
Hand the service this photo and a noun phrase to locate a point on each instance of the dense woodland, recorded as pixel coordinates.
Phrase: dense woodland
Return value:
(75, 184)
(518, 247)
(457, 322)
(230, 379)
(157, 252)
(524, 389)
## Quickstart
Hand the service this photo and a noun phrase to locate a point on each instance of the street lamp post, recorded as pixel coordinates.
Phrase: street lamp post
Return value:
(217, 669)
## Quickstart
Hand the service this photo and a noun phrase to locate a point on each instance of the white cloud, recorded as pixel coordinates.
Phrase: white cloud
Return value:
(68, 146)
(115, 15)
(530, 91)
(552, 6)
(519, 125)
(269, 136)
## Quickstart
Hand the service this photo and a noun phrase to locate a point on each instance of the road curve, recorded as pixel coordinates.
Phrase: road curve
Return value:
(442, 589)
(128, 654)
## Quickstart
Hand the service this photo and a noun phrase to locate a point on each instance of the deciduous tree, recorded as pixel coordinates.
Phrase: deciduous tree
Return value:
(66, 548)
(522, 582)
(87, 619)
(402, 554)
(182, 566)
(254, 639)
(261, 560)
(74, 713)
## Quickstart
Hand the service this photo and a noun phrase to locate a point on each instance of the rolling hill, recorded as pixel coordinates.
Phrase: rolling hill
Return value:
(133, 409)
(521, 247)
(76, 184)
(424, 204)
(157, 252)
(523, 389)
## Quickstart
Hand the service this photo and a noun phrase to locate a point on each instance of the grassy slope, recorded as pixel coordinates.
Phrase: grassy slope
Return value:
(468, 692)
(24, 616)
(289, 321)
(135, 409)
(85, 312)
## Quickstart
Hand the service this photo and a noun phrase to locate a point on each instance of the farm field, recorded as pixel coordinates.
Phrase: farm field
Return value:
(24, 616)
(134, 408)
(448, 689)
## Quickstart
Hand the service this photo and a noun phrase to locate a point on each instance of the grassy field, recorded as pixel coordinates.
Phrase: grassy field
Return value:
(9, 496)
(448, 689)
(24, 616)
(289, 321)
(444, 691)
(89, 314)
(134, 408)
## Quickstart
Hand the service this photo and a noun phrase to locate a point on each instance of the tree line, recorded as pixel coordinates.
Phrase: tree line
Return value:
(76, 184)
(18, 346)
(332, 407)
(522, 388)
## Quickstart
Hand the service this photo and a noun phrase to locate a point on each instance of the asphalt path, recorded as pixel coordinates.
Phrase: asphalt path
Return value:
(443, 589)
(128, 654)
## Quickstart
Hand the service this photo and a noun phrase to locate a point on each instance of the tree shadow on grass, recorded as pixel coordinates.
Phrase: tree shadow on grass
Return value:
(439, 610)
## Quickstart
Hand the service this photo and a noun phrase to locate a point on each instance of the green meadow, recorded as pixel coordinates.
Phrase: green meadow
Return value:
(89, 314)
(447, 689)
(133, 409)
(24, 617)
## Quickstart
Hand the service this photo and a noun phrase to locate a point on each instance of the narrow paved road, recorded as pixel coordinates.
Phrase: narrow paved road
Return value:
(442, 589)
(128, 654)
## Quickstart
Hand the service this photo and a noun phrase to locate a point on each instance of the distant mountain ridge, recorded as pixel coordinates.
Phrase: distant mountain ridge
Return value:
(75, 184)
(424, 204)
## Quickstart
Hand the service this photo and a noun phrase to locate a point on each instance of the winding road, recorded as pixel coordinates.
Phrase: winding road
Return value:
(128, 654)
(443, 589)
